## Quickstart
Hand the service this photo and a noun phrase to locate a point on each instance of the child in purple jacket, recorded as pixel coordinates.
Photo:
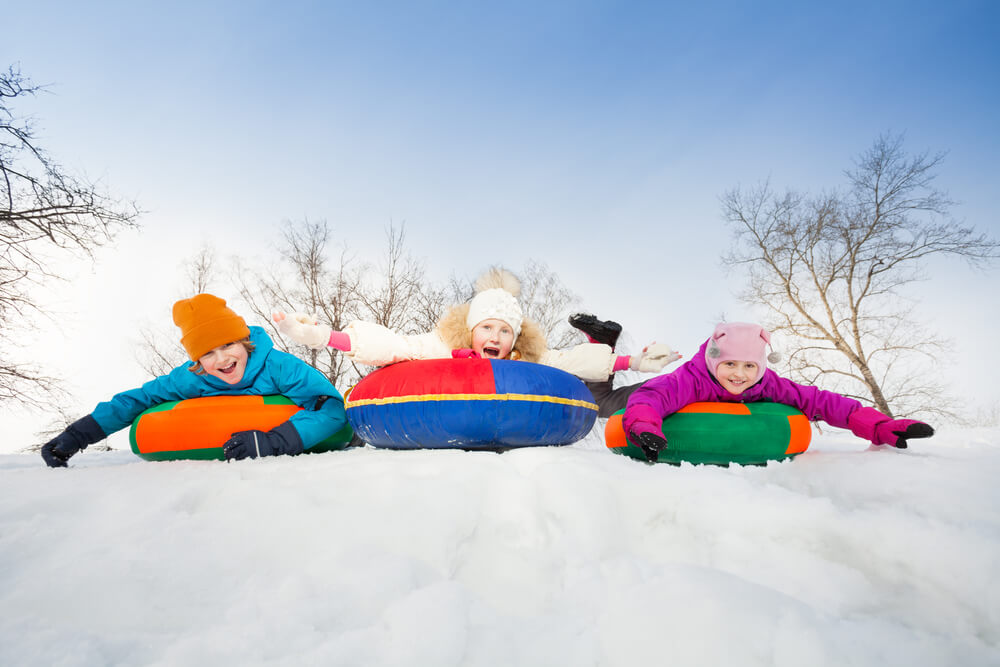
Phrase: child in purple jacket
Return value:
(731, 366)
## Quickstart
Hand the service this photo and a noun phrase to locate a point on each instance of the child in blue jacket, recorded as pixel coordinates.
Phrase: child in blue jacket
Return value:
(227, 358)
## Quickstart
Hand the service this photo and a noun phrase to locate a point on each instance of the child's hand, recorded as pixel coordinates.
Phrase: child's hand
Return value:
(303, 329)
(650, 443)
(56, 452)
(880, 429)
(898, 431)
(85, 431)
(654, 358)
(282, 439)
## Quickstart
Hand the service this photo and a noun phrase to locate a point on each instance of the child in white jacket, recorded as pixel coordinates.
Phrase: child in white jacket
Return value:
(492, 326)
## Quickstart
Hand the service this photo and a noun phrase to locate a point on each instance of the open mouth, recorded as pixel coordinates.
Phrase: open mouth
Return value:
(492, 352)
(228, 369)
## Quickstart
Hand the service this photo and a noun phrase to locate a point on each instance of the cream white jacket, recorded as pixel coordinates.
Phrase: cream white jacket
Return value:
(375, 345)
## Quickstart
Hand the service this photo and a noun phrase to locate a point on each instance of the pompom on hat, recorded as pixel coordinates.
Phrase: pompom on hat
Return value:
(496, 298)
(206, 323)
(740, 341)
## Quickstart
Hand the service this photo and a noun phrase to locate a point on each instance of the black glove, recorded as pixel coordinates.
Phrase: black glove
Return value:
(282, 439)
(915, 430)
(77, 436)
(650, 443)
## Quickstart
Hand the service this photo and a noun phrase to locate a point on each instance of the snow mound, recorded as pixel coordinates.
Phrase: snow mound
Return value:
(571, 555)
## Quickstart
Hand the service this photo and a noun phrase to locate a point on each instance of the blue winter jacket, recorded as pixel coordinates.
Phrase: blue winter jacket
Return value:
(269, 371)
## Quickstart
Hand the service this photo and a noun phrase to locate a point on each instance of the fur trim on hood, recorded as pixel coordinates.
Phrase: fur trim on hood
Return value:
(529, 346)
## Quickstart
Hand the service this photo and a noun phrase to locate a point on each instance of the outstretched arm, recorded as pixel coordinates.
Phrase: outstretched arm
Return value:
(880, 429)
(365, 342)
(843, 412)
(306, 330)
(115, 414)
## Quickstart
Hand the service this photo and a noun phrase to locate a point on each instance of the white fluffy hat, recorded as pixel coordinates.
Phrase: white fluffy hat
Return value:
(496, 298)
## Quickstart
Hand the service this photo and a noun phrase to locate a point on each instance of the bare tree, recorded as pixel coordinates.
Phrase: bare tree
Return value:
(307, 280)
(393, 293)
(46, 214)
(985, 416)
(433, 301)
(831, 271)
(548, 302)
(201, 270)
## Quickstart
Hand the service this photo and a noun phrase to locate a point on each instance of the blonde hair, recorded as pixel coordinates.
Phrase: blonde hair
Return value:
(197, 368)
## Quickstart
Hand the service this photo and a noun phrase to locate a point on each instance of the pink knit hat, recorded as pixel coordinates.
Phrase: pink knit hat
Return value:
(739, 341)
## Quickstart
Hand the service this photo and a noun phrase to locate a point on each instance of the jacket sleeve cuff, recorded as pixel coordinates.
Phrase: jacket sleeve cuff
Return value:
(340, 340)
(642, 419)
(864, 421)
(88, 430)
(292, 441)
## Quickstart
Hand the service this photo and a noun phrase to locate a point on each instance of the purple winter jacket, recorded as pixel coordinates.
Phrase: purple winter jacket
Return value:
(691, 382)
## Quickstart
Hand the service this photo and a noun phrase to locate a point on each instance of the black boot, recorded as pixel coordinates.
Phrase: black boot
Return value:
(600, 331)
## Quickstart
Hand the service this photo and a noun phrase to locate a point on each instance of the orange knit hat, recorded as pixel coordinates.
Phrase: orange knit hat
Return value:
(206, 323)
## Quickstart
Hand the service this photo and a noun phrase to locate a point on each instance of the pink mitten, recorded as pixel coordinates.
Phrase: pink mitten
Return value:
(642, 419)
(880, 429)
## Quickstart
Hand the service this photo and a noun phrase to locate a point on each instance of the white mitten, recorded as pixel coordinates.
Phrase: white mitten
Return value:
(305, 330)
(653, 358)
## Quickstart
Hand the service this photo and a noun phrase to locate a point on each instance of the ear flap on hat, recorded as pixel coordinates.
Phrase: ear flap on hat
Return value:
(713, 351)
(773, 357)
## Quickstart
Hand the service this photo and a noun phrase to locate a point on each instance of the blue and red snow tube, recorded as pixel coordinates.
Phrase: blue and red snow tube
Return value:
(470, 404)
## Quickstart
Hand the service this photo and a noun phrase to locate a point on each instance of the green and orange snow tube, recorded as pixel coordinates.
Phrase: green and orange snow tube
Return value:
(722, 433)
(197, 428)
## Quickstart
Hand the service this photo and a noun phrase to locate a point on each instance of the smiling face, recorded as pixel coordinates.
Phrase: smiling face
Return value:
(226, 362)
(737, 376)
(492, 339)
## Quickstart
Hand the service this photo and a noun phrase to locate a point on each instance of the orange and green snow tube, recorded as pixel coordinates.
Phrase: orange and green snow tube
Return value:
(196, 428)
(722, 433)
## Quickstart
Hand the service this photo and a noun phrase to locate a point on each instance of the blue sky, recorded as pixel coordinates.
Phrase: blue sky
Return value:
(594, 136)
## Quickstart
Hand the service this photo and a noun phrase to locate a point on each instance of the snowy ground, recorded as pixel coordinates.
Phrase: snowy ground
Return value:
(555, 556)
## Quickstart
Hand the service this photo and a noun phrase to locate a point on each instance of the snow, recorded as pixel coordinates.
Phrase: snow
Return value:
(848, 555)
